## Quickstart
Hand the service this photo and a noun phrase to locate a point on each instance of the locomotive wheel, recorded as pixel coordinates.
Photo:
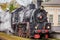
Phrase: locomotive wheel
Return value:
(27, 34)
(24, 34)
(20, 32)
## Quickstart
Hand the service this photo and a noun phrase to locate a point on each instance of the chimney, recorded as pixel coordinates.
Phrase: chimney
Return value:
(39, 2)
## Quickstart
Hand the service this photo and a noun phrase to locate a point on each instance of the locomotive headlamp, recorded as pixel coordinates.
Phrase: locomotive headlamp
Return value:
(36, 27)
(48, 27)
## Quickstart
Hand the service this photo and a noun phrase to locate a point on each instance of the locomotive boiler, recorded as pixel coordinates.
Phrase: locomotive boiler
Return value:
(31, 22)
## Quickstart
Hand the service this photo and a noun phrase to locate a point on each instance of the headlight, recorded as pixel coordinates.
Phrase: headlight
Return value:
(36, 27)
(48, 27)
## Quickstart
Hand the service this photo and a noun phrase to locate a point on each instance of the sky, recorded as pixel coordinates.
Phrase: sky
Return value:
(4, 1)
(24, 2)
(21, 2)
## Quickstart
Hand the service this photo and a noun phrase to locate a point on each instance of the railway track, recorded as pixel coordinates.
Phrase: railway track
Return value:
(4, 36)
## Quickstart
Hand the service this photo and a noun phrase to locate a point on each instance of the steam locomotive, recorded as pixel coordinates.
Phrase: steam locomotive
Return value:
(41, 26)
(31, 22)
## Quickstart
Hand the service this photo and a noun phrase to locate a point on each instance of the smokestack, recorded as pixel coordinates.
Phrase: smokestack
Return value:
(39, 2)
(32, 6)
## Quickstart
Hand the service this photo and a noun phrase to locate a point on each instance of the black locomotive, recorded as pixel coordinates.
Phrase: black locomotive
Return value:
(31, 22)
(40, 26)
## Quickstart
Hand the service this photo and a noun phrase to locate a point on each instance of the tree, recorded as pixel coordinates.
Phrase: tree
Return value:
(4, 6)
(12, 7)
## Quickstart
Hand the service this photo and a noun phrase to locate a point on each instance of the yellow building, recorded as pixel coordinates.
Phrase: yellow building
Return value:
(53, 9)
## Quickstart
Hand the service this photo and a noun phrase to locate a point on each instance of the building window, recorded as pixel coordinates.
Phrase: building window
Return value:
(51, 19)
(58, 19)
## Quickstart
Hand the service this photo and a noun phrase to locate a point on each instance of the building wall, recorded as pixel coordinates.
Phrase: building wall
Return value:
(55, 11)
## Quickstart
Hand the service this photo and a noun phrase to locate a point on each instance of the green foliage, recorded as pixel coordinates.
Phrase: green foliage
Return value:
(12, 7)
